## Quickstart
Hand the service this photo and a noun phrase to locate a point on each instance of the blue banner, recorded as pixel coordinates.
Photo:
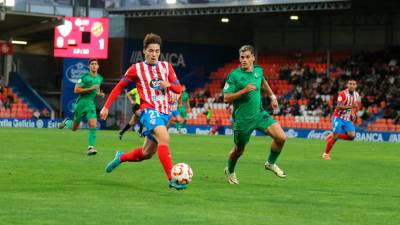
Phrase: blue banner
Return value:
(41, 123)
(72, 70)
(192, 63)
(373, 136)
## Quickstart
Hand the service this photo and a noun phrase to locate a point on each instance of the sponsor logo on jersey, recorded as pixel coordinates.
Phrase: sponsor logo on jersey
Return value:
(155, 83)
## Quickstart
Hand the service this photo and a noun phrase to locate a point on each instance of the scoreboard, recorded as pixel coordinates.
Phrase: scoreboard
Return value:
(82, 37)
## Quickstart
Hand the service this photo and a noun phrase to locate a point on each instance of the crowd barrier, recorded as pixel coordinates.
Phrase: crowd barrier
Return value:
(372, 136)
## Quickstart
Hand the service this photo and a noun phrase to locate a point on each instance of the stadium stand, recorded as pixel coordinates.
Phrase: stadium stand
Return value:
(307, 89)
(12, 106)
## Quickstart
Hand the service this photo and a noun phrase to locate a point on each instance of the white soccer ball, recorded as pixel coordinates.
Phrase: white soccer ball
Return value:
(182, 173)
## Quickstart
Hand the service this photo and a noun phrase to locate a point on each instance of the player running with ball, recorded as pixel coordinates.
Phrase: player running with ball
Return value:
(243, 89)
(154, 79)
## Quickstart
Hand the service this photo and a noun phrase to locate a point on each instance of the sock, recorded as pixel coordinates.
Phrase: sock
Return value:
(68, 124)
(92, 136)
(231, 166)
(165, 158)
(329, 146)
(344, 136)
(135, 155)
(273, 156)
(127, 126)
(178, 126)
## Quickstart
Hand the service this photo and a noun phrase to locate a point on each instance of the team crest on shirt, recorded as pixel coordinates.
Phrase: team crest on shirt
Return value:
(153, 122)
(340, 99)
(155, 83)
(226, 86)
(255, 75)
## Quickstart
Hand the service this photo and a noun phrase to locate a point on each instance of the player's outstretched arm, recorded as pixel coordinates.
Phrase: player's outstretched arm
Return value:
(231, 97)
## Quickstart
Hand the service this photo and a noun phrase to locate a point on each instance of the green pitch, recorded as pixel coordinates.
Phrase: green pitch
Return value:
(46, 178)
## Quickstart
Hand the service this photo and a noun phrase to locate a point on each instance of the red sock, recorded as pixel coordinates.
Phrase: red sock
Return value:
(134, 156)
(165, 158)
(329, 145)
(343, 136)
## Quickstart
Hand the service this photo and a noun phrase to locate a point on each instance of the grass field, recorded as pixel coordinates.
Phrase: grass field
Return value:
(46, 178)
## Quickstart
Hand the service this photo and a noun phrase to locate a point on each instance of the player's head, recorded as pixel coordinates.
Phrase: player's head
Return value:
(351, 84)
(93, 65)
(183, 87)
(152, 48)
(247, 57)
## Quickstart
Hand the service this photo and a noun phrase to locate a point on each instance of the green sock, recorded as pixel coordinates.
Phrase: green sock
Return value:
(178, 126)
(231, 166)
(92, 136)
(68, 124)
(273, 156)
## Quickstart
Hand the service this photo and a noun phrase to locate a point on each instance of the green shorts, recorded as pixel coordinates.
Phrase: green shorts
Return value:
(242, 129)
(182, 111)
(84, 108)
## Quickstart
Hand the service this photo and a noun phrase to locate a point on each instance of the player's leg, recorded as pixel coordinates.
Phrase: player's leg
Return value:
(233, 157)
(136, 155)
(92, 122)
(268, 125)
(279, 139)
(241, 136)
(337, 129)
(164, 155)
(349, 131)
(183, 113)
(133, 120)
(91, 116)
(178, 122)
(71, 124)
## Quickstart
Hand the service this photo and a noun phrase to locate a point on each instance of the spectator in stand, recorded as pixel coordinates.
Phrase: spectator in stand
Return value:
(45, 113)
(36, 114)
(2, 83)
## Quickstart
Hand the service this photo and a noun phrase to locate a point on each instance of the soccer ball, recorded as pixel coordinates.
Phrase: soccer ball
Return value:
(182, 173)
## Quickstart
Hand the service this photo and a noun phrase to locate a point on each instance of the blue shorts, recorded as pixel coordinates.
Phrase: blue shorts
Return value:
(341, 126)
(174, 113)
(150, 119)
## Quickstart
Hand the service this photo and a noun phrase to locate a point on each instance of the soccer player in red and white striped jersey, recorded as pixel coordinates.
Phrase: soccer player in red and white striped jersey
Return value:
(348, 103)
(154, 79)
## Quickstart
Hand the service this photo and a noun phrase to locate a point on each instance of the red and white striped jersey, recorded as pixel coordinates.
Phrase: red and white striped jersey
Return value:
(174, 100)
(147, 78)
(346, 99)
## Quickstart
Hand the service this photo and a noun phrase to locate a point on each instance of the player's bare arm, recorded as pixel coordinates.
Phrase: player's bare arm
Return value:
(128, 95)
(101, 93)
(267, 89)
(231, 97)
(80, 90)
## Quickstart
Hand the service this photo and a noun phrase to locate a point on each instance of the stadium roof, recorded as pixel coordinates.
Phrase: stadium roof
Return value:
(27, 25)
(219, 9)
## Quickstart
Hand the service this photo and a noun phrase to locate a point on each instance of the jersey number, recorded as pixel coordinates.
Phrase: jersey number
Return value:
(154, 114)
